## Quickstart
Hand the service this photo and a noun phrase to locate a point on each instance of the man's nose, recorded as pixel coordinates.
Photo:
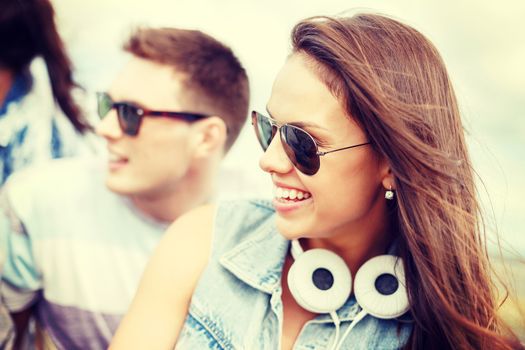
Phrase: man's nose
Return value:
(109, 127)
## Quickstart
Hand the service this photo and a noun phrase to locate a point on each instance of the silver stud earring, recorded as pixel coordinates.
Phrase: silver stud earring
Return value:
(389, 194)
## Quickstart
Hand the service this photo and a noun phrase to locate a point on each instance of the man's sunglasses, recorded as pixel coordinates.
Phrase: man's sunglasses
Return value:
(300, 146)
(130, 116)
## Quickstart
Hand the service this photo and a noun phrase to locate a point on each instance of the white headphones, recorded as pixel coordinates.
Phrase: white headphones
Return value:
(321, 282)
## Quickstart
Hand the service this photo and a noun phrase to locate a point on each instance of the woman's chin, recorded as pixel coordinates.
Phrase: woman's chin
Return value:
(290, 230)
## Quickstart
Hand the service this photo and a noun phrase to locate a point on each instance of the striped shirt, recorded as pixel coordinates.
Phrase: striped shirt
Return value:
(74, 249)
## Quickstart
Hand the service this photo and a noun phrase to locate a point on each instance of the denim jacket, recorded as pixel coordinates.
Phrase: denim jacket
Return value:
(237, 302)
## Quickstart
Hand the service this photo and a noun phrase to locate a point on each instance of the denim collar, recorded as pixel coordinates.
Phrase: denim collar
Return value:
(258, 261)
(263, 273)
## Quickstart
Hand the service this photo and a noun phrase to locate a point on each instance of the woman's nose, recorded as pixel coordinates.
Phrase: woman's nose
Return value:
(274, 159)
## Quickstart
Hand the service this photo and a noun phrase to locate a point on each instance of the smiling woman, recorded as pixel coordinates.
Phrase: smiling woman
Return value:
(389, 219)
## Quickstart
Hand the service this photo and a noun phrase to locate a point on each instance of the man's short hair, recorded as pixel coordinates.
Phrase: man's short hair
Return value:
(216, 81)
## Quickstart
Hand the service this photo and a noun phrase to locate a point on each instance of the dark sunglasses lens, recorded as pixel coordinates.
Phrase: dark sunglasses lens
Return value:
(128, 119)
(264, 130)
(301, 149)
(104, 104)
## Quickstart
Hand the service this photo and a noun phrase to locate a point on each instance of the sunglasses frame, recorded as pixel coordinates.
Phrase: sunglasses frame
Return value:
(279, 127)
(141, 112)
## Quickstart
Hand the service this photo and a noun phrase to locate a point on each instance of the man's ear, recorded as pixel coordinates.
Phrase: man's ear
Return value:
(209, 136)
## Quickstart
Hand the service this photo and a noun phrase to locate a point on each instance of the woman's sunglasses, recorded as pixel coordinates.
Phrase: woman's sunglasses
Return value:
(300, 146)
(130, 116)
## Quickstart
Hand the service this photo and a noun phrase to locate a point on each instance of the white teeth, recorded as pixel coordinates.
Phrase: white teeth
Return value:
(291, 194)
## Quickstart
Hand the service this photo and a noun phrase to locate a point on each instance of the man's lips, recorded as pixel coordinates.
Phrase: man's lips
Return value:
(116, 161)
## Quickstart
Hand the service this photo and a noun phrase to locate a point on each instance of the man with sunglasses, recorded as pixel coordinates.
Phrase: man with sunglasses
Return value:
(78, 236)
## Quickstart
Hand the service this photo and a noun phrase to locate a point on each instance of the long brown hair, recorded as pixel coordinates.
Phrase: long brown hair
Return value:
(27, 30)
(393, 82)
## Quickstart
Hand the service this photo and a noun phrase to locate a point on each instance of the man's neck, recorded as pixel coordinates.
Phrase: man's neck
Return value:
(167, 205)
(6, 81)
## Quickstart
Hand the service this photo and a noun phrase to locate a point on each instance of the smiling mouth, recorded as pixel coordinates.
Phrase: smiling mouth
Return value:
(114, 158)
(116, 162)
(286, 194)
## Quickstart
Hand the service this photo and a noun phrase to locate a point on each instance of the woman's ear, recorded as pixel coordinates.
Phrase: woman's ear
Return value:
(210, 136)
(388, 180)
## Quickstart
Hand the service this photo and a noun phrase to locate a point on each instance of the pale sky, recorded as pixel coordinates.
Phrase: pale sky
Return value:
(482, 43)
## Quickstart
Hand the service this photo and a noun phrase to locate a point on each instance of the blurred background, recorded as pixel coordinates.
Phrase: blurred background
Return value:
(482, 43)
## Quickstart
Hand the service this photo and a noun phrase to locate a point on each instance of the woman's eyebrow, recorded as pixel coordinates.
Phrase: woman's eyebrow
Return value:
(300, 123)
(308, 125)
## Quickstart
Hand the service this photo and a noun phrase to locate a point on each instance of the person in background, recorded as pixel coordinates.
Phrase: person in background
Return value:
(39, 117)
(373, 239)
(77, 233)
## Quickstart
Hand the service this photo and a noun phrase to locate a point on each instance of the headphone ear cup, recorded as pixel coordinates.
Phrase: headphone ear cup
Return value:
(380, 287)
(319, 281)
